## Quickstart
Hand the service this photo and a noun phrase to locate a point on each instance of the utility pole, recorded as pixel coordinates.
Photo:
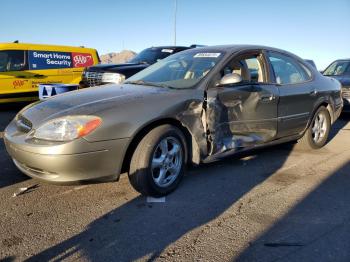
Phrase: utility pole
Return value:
(175, 22)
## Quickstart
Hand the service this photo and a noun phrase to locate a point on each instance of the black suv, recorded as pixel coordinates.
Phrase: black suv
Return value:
(340, 70)
(117, 73)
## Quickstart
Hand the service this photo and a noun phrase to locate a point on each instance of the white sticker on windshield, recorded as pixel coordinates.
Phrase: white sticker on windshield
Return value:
(167, 50)
(215, 55)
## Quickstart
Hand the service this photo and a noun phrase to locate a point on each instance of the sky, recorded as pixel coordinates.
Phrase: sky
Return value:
(312, 29)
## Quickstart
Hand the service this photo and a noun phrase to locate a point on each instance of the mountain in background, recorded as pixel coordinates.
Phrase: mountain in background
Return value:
(117, 58)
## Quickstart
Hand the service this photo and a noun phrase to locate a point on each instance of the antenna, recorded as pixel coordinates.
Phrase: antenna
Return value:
(175, 11)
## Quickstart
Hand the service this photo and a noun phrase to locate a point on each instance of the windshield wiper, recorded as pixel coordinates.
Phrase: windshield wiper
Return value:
(140, 62)
(144, 83)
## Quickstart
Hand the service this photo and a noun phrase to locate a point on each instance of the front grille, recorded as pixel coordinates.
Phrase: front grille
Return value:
(346, 92)
(93, 78)
(23, 124)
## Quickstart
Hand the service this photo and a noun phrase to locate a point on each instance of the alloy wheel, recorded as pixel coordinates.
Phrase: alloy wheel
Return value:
(166, 161)
(319, 127)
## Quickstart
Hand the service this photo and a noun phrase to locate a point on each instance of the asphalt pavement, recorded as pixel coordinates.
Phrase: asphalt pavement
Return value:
(275, 204)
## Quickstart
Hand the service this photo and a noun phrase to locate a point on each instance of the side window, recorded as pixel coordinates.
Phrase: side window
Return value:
(288, 70)
(249, 67)
(308, 72)
(12, 60)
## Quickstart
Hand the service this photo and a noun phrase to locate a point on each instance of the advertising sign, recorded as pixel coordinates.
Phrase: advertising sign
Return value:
(49, 60)
(41, 60)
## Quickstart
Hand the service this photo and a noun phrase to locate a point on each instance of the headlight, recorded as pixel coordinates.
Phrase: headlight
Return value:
(113, 78)
(67, 128)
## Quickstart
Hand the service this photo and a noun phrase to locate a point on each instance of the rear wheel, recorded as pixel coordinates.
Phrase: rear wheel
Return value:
(317, 133)
(157, 164)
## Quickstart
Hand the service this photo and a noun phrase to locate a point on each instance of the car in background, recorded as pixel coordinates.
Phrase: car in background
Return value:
(117, 73)
(340, 70)
(311, 62)
(23, 67)
(196, 106)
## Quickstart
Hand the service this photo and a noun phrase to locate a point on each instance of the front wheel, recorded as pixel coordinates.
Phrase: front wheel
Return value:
(157, 164)
(317, 133)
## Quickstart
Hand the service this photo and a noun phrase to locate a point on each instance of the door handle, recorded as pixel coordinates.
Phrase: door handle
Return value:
(267, 98)
(313, 92)
(20, 76)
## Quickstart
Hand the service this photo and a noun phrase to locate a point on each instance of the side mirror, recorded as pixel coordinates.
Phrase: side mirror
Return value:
(230, 79)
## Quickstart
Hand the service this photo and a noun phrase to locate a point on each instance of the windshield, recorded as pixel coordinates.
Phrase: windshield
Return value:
(338, 68)
(151, 55)
(182, 70)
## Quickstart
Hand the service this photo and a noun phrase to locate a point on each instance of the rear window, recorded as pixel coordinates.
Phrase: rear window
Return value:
(13, 60)
(151, 55)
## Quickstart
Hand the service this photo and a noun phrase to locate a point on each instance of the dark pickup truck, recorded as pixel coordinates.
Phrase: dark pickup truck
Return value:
(340, 70)
(117, 73)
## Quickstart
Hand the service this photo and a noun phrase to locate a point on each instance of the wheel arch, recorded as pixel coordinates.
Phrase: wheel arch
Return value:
(329, 108)
(191, 145)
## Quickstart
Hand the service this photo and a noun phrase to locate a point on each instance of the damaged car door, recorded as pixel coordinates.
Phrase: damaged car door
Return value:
(242, 105)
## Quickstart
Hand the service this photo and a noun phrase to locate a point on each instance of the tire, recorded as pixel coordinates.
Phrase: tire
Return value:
(317, 133)
(157, 165)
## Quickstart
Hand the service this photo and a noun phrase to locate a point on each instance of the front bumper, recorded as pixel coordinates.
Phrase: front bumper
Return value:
(346, 98)
(75, 161)
(346, 107)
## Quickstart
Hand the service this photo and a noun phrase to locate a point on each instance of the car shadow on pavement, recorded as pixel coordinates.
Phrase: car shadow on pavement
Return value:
(141, 230)
(342, 121)
(9, 174)
(316, 229)
(8, 112)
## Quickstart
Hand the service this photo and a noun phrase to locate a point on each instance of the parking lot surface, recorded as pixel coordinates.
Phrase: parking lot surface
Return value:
(275, 204)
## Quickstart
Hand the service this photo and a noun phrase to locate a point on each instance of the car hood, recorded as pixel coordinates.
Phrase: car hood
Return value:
(122, 108)
(88, 101)
(117, 68)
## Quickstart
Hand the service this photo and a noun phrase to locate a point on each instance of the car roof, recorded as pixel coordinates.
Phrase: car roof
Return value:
(31, 46)
(343, 59)
(169, 47)
(244, 47)
(240, 47)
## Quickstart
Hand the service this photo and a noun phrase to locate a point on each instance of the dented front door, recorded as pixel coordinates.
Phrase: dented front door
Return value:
(241, 115)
